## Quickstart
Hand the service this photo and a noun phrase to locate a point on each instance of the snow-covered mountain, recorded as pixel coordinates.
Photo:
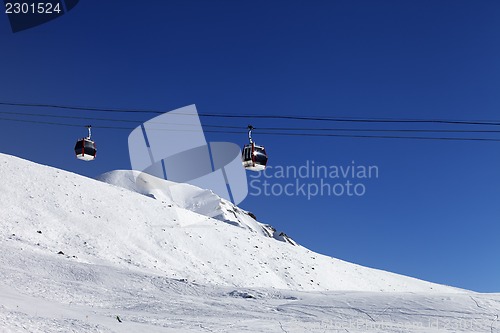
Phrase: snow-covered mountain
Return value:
(50, 211)
(119, 255)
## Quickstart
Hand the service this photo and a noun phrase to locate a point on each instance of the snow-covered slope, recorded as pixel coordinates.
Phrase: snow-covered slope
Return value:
(46, 210)
(192, 198)
(80, 255)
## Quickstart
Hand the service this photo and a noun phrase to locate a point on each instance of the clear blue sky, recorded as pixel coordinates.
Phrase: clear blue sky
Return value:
(434, 211)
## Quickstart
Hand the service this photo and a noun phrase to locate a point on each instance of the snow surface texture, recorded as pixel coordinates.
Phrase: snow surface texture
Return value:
(81, 255)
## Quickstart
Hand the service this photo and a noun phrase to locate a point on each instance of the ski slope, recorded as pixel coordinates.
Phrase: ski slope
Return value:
(75, 253)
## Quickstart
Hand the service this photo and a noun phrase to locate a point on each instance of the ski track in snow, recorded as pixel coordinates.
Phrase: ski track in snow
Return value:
(80, 255)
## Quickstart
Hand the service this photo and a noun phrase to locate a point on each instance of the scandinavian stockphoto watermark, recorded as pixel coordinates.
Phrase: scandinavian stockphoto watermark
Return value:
(172, 146)
(310, 180)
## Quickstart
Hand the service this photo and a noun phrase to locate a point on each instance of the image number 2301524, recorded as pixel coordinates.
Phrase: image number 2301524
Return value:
(32, 8)
(28, 14)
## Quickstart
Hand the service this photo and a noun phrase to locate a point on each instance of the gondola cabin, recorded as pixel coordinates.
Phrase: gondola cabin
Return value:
(85, 148)
(254, 157)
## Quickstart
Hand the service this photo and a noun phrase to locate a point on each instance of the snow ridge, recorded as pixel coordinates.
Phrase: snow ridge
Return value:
(192, 198)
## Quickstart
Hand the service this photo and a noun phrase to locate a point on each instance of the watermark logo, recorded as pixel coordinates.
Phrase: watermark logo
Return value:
(429, 324)
(311, 180)
(26, 14)
(172, 146)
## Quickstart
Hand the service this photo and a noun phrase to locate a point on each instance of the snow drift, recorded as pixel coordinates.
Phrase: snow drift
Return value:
(192, 198)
